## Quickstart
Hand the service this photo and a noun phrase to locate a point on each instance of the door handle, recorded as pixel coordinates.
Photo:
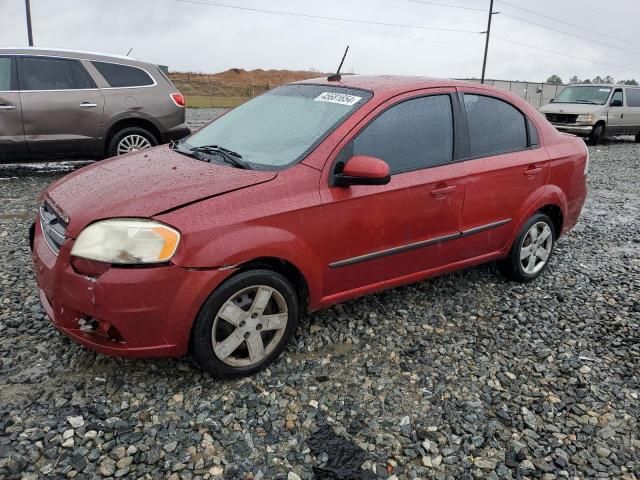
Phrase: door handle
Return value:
(533, 171)
(7, 107)
(88, 105)
(443, 191)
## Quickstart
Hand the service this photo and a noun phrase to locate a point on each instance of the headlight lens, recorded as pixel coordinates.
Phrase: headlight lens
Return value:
(127, 241)
(586, 118)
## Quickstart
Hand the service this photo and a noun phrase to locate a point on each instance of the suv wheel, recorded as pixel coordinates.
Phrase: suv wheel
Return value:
(531, 251)
(596, 135)
(131, 139)
(245, 324)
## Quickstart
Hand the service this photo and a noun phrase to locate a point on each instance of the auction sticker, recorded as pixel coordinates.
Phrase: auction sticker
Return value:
(339, 98)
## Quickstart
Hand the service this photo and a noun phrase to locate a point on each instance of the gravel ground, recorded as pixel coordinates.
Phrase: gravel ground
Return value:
(463, 376)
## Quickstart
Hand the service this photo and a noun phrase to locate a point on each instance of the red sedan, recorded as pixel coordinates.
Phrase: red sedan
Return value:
(309, 195)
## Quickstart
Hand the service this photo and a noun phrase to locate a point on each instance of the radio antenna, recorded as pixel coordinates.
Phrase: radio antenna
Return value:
(336, 76)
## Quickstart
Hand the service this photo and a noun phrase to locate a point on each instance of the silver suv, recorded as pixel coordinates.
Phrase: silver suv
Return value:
(595, 111)
(63, 103)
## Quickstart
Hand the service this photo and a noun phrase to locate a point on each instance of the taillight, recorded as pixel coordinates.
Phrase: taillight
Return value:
(178, 99)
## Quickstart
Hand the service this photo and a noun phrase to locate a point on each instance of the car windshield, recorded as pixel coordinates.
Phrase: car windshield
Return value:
(588, 95)
(279, 128)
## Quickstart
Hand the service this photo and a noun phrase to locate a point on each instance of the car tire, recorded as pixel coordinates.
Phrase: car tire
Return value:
(233, 336)
(130, 139)
(530, 253)
(637, 137)
(596, 135)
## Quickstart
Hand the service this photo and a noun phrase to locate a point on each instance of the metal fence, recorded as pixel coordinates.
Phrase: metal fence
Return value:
(537, 94)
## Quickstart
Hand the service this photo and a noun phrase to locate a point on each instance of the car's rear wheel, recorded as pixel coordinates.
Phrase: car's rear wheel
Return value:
(131, 139)
(245, 324)
(596, 135)
(637, 137)
(531, 251)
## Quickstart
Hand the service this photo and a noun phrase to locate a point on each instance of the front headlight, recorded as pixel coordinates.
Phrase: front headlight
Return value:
(586, 118)
(127, 241)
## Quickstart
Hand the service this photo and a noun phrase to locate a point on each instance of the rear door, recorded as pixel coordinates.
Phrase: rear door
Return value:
(11, 131)
(632, 111)
(506, 171)
(383, 232)
(61, 106)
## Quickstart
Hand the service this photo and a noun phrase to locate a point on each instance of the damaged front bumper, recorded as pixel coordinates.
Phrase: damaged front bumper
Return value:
(131, 312)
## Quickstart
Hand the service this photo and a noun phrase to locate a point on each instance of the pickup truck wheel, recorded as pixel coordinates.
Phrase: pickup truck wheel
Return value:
(129, 140)
(245, 324)
(596, 134)
(531, 251)
(637, 137)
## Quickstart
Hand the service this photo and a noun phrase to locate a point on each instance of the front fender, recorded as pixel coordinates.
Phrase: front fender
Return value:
(236, 248)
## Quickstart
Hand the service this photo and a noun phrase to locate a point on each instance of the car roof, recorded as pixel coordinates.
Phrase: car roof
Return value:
(388, 83)
(604, 85)
(77, 54)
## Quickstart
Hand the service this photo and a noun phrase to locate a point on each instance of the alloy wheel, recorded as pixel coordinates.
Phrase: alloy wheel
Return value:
(132, 143)
(249, 326)
(536, 248)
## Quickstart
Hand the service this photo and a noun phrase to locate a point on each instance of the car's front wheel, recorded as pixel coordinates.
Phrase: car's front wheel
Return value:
(637, 137)
(531, 251)
(245, 324)
(596, 135)
(131, 139)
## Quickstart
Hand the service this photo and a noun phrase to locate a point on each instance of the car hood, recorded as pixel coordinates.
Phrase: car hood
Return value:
(143, 184)
(571, 108)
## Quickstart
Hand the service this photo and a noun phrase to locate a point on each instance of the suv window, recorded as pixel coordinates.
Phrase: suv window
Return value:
(414, 134)
(495, 126)
(118, 76)
(633, 97)
(42, 73)
(6, 72)
(617, 97)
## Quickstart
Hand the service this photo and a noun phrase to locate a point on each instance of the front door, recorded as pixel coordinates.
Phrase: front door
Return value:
(11, 131)
(616, 122)
(506, 171)
(382, 233)
(61, 106)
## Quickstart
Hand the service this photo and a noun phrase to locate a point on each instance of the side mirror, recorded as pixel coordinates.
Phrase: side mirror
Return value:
(616, 103)
(363, 170)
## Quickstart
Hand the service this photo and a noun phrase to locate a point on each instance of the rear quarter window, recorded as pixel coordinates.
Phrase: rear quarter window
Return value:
(118, 76)
(495, 126)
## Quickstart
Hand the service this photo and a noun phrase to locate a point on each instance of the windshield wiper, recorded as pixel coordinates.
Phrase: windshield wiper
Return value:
(228, 156)
(590, 102)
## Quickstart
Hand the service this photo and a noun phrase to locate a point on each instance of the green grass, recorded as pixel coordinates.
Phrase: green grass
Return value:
(203, 101)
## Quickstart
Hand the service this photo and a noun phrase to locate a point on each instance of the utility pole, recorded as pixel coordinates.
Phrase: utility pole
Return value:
(28, 7)
(486, 44)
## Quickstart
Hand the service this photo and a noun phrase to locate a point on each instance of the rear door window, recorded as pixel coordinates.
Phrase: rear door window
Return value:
(633, 97)
(118, 76)
(43, 73)
(6, 74)
(414, 134)
(495, 126)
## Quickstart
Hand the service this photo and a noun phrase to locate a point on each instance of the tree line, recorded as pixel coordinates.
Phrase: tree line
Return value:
(556, 80)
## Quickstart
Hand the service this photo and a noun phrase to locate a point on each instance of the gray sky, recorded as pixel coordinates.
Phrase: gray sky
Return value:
(198, 37)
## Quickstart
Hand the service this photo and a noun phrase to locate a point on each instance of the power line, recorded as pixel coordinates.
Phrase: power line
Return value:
(562, 54)
(574, 25)
(524, 20)
(447, 5)
(321, 17)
